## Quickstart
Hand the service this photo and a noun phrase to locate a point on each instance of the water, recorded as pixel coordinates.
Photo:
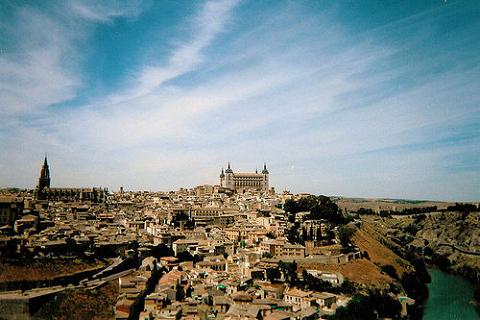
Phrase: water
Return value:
(449, 297)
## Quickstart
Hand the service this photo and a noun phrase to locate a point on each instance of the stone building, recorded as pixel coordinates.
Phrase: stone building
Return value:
(43, 191)
(243, 181)
(10, 209)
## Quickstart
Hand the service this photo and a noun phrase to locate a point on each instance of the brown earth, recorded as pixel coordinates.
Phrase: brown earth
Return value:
(369, 240)
(353, 204)
(79, 304)
(43, 270)
(367, 271)
(361, 271)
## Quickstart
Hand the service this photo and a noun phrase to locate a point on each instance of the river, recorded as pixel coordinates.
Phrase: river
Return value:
(449, 298)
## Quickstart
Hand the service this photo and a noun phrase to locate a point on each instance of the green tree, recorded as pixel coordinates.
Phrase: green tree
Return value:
(290, 206)
(185, 256)
(390, 271)
(270, 235)
(273, 274)
(289, 271)
(375, 304)
(345, 234)
(180, 294)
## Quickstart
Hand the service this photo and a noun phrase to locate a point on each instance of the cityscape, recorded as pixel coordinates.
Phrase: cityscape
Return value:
(239, 160)
(234, 250)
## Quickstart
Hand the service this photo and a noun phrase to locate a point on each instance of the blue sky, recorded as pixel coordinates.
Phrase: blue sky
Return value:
(353, 98)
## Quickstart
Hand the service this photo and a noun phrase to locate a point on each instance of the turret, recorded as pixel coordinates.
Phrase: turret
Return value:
(265, 171)
(229, 170)
(265, 177)
(229, 182)
(222, 179)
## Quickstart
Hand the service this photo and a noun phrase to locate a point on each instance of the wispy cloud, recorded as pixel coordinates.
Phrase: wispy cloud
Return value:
(105, 11)
(36, 74)
(41, 65)
(209, 22)
(332, 110)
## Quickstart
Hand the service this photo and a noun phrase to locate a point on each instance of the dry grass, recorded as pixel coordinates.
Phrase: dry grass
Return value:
(44, 270)
(361, 271)
(367, 240)
(364, 271)
(351, 204)
(79, 304)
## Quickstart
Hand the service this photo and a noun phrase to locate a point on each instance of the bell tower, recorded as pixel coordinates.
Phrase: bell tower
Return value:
(265, 174)
(222, 179)
(229, 182)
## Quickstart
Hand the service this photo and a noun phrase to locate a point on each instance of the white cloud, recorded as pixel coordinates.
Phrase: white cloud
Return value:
(207, 24)
(36, 75)
(105, 11)
(297, 95)
(43, 66)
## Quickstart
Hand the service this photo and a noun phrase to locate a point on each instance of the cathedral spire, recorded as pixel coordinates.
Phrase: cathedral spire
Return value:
(44, 180)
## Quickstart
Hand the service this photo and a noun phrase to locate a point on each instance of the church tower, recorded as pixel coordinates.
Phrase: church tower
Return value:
(229, 182)
(222, 179)
(265, 177)
(43, 180)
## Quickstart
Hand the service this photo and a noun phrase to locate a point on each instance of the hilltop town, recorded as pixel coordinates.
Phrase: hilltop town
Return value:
(236, 250)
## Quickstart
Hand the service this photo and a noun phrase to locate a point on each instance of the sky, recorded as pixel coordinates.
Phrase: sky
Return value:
(349, 98)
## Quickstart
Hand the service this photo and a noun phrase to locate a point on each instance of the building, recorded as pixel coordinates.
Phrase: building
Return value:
(281, 248)
(10, 209)
(299, 298)
(240, 182)
(43, 191)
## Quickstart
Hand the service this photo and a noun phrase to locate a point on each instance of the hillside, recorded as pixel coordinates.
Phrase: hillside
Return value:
(44, 270)
(354, 204)
(428, 233)
(367, 271)
(371, 241)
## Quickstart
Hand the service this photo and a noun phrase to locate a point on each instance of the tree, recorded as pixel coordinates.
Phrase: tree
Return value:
(345, 234)
(327, 210)
(411, 229)
(366, 255)
(180, 294)
(376, 304)
(162, 250)
(390, 271)
(267, 255)
(311, 282)
(292, 234)
(289, 271)
(273, 274)
(290, 206)
(270, 235)
(347, 287)
(190, 224)
(184, 256)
